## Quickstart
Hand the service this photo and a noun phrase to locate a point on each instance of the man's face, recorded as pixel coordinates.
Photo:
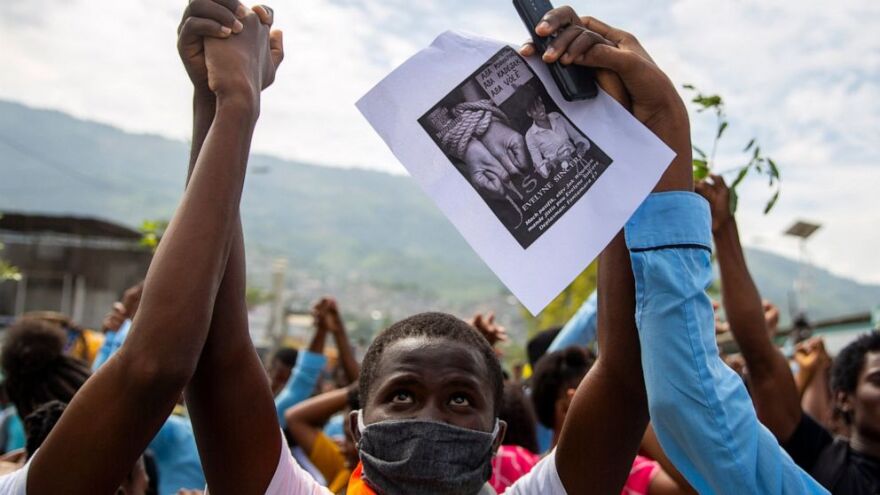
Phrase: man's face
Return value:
(432, 380)
(866, 398)
(536, 110)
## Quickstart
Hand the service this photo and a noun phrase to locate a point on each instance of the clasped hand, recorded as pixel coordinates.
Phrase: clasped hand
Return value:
(228, 49)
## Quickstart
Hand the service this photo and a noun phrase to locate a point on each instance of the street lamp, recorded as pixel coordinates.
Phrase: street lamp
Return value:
(802, 230)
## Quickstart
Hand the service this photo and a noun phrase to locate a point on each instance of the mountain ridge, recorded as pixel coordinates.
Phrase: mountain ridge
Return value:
(354, 232)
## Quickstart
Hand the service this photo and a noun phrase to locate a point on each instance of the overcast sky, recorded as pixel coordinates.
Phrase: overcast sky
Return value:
(803, 77)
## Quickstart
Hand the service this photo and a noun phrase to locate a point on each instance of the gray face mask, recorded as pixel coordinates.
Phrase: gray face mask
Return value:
(403, 457)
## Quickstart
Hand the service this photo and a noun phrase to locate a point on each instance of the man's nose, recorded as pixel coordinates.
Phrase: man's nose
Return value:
(434, 411)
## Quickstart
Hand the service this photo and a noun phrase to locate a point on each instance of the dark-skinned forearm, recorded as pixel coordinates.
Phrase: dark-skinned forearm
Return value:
(609, 412)
(317, 344)
(306, 419)
(742, 303)
(162, 349)
(816, 399)
(228, 361)
(346, 354)
(774, 392)
(204, 108)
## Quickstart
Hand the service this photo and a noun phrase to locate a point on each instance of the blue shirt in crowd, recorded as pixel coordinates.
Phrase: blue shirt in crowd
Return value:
(177, 459)
(302, 382)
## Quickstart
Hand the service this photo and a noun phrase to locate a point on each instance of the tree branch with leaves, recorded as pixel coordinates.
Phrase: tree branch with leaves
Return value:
(758, 163)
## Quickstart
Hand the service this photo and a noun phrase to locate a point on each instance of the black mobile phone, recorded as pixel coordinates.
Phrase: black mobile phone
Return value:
(575, 82)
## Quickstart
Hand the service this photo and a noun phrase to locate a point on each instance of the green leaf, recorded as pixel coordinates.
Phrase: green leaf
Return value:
(721, 129)
(711, 101)
(757, 153)
(740, 176)
(774, 170)
(700, 152)
(688, 86)
(749, 146)
(701, 169)
(772, 202)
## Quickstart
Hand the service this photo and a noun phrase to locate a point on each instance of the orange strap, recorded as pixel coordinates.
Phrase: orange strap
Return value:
(357, 485)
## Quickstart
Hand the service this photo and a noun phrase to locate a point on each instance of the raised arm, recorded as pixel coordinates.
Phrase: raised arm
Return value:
(813, 360)
(772, 385)
(333, 320)
(128, 399)
(228, 361)
(309, 364)
(699, 408)
(306, 420)
(603, 428)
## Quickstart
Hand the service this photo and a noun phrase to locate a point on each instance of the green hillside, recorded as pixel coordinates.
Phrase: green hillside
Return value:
(371, 238)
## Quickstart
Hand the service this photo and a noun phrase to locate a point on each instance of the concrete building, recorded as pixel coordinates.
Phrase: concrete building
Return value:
(76, 266)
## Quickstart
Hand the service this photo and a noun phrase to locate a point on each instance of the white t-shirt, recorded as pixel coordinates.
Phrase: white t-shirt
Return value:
(290, 479)
(15, 483)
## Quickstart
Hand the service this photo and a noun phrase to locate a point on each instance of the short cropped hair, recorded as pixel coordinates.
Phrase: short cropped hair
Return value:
(555, 372)
(286, 356)
(439, 326)
(849, 362)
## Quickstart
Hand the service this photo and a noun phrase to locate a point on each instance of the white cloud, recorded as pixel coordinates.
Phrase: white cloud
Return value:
(802, 77)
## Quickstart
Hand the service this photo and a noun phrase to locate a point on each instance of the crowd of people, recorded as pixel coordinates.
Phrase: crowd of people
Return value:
(632, 396)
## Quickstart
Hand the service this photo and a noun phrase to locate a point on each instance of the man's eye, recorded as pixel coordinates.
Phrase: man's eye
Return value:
(402, 398)
(459, 401)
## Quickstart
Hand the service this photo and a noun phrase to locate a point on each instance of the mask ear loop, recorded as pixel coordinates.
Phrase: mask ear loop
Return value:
(361, 425)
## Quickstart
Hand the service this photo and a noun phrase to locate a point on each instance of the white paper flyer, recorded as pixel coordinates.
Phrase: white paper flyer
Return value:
(537, 185)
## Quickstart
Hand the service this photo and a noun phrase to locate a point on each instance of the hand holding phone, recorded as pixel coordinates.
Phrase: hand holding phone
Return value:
(575, 82)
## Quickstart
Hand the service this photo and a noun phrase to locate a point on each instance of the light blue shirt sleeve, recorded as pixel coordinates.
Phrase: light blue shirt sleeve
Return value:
(302, 382)
(112, 342)
(177, 457)
(700, 409)
(580, 329)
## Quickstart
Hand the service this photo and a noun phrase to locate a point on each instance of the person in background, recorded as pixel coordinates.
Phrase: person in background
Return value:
(554, 385)
(306, 422)
(813, 379)
(843, 467)
(280, 368)
(11, 427)
(36, 367)
(303, 383)
(80, 343)
(117, 323)
(518, 453)
(536, 347)
(311, 361)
